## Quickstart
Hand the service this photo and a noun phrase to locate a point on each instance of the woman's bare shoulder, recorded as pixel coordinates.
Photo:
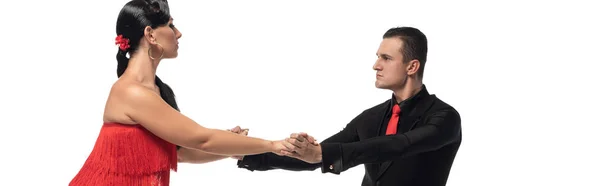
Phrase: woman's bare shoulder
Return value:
(122, 97)
(130, 89)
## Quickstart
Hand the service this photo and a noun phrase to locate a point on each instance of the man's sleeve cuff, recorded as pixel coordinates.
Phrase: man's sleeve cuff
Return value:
(331, 158)
(250, 162)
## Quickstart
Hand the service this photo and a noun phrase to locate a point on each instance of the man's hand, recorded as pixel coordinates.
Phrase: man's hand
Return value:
(240, 131)
(304, 148)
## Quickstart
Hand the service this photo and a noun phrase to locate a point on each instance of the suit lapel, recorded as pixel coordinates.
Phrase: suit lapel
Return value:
(382, 114)
(407, 123)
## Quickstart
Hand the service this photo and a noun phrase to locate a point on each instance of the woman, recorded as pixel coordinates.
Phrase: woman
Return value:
(143, 128)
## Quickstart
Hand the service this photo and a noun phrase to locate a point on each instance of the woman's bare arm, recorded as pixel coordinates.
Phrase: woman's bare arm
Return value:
(186, 155)
(147, 108)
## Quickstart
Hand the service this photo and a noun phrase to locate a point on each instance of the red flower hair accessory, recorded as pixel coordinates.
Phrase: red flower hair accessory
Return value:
(122, 42)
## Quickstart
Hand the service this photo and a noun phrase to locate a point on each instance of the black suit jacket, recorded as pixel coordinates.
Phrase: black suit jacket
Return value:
(421, 153)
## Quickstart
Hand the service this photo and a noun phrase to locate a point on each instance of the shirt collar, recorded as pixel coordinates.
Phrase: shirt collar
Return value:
(410, 102)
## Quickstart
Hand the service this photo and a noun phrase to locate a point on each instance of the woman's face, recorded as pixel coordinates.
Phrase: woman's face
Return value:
(167, 37)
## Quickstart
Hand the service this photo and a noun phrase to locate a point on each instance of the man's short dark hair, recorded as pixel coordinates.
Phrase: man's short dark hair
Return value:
(414, 45)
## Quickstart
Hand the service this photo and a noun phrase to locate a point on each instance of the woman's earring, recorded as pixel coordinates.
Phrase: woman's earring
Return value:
(161, 54)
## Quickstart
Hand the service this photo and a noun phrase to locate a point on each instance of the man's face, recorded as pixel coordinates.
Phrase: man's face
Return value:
(391, 71)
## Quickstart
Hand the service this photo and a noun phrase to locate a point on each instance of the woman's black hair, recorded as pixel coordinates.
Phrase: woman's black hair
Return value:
(133, 18)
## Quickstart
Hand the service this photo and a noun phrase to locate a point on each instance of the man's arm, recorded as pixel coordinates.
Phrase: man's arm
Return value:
(441, 128)
(269, 161)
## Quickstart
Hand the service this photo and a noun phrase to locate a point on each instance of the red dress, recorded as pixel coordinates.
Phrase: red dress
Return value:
(127, 155)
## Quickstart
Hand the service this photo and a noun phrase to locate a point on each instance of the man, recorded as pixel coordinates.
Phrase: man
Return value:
(410, 139)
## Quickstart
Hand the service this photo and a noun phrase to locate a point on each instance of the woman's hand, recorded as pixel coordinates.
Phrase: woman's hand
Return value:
(281, 148)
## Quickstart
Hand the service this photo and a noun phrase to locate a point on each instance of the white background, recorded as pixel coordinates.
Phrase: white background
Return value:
(522, 75)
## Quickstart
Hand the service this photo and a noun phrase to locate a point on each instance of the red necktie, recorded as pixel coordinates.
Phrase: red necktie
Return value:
(393, 124)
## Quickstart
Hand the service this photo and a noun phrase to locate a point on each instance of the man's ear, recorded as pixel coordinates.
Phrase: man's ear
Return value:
(413, 67)
(149, 35)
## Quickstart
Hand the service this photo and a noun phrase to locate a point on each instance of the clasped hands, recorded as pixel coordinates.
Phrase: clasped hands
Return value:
(299, 145)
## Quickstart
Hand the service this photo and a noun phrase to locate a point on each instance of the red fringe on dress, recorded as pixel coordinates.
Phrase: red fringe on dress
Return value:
(127, 155)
